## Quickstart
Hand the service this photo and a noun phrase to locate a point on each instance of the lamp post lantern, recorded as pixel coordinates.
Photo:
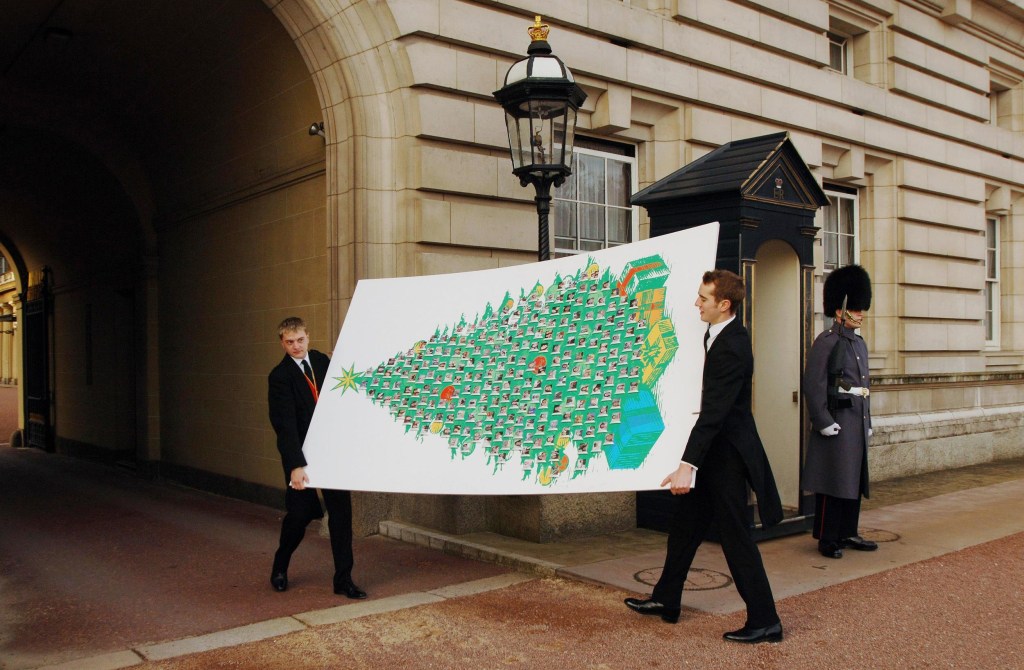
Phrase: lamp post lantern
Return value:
(540, 99)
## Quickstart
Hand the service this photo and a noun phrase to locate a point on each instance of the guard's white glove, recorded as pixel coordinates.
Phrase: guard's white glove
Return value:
(830, 431)
(871, 431)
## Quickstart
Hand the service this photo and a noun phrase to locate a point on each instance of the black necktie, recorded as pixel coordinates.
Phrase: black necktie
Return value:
(707, 336)
(308, 372)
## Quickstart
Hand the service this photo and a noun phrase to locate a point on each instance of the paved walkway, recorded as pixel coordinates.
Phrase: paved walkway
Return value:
(99, 569)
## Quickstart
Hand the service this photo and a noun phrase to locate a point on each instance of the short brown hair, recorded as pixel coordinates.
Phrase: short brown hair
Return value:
(290, 324)
(728, 286)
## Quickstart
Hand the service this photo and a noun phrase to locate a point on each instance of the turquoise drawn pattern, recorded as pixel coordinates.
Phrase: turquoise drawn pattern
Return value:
(557, 373)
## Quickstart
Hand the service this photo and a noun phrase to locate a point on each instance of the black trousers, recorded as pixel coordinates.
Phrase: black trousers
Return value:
(304, 506)
(721, 496)
(835, 518)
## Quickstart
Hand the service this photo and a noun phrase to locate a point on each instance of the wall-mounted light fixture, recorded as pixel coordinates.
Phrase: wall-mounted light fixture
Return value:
(317, 128)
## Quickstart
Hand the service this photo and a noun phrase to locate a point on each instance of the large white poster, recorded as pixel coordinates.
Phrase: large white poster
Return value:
(575, 375)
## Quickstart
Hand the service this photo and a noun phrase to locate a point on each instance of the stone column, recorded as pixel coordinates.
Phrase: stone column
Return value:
(6, 346)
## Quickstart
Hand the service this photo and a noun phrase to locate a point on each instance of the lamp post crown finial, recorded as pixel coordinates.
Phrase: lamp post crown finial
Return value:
(538, 31)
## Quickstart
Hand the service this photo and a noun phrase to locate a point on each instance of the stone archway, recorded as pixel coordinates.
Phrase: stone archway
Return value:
(364, 127)
(11, 401)
(363, 123)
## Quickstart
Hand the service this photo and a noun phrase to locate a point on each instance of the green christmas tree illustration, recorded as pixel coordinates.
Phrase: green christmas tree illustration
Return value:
(545, 381)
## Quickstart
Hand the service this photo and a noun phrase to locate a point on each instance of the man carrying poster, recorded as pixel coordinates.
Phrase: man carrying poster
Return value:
(722, 455)
(294, 388)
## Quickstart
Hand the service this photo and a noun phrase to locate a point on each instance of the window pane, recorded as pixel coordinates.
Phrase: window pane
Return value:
(831, 252)
(846, 216)
(565, 218)
(592, 223)
(839, 227)
(831, 215)
(567, 190)
(593, 203)
(837, 46)
(618, 183)
(845, 250)
(591, 178)
(619, 225)
(835, 56)
(990, 264)
(989, 328)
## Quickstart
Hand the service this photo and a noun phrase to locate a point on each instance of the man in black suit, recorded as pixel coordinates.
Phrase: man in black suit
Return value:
(294, 387)
(723, 454)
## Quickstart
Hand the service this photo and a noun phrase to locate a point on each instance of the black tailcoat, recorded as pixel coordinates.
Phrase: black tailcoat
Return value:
(291, 411)
(728, 453)
(291, 406)
(725, 416)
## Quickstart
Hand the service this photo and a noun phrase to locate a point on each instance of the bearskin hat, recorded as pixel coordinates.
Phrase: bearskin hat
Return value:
(851, 282)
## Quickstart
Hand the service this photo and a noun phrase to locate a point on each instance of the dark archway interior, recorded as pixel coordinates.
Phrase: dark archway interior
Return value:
(151, 87)
(126, 129)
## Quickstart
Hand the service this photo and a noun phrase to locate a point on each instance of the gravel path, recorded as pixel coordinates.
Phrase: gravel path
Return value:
(960, 610)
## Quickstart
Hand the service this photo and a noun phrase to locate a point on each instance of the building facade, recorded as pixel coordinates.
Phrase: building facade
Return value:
(164, 167)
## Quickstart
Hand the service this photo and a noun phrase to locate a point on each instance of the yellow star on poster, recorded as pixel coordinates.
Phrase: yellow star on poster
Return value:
(349, 379)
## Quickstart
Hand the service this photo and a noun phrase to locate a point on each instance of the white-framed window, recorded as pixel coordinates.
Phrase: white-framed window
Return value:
(839, 228)
(591, 210)
(839, 53)
(992, 282)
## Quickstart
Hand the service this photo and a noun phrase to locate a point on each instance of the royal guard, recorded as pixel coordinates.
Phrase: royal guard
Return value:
(836, 388)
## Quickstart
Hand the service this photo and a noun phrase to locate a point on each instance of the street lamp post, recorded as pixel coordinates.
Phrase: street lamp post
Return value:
(540, 99)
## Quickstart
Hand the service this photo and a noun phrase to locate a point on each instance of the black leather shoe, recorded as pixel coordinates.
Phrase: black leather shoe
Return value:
(859, 543)
(279, 580)
(830, 549)
(349, 590)
(653, 607)
(748, 635)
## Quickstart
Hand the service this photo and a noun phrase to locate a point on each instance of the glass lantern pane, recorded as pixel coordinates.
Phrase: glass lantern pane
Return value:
(537, 150)
(547, 131)
(570, 135)
(518, 139)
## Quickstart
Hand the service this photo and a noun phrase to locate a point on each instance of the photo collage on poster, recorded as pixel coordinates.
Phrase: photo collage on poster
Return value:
(548, 381)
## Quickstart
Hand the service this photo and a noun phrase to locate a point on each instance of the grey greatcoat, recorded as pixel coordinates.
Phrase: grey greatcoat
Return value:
(837, 465)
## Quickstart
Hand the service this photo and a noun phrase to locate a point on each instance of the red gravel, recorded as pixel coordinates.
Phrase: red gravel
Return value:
(960, 610)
